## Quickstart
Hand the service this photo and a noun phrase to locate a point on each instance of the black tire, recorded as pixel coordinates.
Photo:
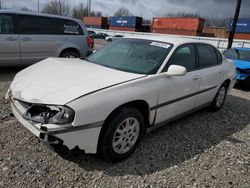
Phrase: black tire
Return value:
(107, 140)
(215, 105)
(69, 54)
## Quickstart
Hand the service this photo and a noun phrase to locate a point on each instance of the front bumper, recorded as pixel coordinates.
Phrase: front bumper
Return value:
(243, 76)
(85, 136)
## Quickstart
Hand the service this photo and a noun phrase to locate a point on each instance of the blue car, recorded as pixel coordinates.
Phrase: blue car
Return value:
(241, 58)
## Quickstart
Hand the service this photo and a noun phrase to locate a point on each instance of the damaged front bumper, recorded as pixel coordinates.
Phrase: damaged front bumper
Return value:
(85, 136)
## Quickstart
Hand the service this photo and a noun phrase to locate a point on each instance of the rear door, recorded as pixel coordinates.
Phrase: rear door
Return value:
(9, 41)
(210, 71)
(38, 39)
(178, 94)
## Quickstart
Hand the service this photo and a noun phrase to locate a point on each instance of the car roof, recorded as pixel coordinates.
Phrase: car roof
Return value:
(240, 48)
(168, 39)
(9, 11)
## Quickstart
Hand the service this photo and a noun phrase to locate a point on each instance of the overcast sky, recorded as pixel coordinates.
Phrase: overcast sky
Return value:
(150, 8)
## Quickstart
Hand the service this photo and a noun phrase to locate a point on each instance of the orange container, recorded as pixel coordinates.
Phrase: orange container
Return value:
(218, 32)
(95, 21)
(241, 36)
(124, 29)
(177, 32)
(189, 24)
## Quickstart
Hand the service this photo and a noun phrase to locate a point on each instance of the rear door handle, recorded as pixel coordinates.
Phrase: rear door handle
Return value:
(196, 77)
(11, 39)
(26, 39)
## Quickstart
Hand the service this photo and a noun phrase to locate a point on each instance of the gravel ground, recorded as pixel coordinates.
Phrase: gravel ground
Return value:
(203, 150)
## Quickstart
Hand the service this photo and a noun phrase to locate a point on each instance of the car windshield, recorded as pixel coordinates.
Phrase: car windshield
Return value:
(236, 54)
(244, 55)
(132, 55)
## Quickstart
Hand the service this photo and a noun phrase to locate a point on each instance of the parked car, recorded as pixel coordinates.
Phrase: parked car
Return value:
(92, 33)
(101, 35)
(241, 59)
(127, 88)
(112, 38)
(26, 38)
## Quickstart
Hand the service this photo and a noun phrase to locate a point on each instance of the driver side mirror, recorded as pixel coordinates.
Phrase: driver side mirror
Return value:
(176, 70)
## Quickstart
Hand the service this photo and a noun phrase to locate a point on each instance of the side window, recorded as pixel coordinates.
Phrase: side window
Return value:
(36, 25)
(207, 55)
(183, 56)
(6, 24)
(68, 27)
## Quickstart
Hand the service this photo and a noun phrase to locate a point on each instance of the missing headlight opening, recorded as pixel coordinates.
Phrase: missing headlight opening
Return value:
(49, 114)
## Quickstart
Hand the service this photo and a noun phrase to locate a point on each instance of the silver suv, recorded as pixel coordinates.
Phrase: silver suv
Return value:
(26, 38)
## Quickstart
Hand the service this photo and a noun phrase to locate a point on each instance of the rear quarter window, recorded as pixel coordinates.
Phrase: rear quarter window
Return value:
(68, 27)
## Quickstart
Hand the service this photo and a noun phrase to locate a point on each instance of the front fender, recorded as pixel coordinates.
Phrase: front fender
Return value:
(97, 106)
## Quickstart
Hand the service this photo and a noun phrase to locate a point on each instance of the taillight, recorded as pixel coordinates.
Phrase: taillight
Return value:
(89, 41)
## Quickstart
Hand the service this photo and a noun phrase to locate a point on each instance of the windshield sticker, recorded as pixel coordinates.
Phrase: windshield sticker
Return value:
(69, 29)
(159, 44)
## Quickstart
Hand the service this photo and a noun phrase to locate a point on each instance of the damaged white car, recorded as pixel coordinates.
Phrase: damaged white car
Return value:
(107, 102)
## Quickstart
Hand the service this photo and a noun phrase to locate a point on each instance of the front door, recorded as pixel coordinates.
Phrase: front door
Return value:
(178, 94)
(9, 41)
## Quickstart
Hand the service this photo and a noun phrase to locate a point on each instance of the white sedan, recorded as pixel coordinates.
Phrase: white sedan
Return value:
(112, 38)
(127, 88)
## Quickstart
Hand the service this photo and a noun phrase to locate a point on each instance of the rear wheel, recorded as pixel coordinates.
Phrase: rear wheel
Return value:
(219, 98)
(123, 134)
(70, 54)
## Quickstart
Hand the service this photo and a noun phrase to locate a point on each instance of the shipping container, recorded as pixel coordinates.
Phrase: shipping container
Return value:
(188, 24)
(176, 32)
(131, 21)
(242, 36)
(243, 25)
(95, 21)
(218, 32)
(132, 29)
(146, 28)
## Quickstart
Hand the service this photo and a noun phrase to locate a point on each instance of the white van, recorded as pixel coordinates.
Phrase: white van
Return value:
(27, 37)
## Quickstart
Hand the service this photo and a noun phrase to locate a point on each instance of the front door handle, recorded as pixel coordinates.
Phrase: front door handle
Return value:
(11, 39)
(26, 39)
(196, 77)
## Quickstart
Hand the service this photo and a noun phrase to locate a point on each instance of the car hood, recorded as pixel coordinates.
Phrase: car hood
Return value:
(242, 64)
(59, 81)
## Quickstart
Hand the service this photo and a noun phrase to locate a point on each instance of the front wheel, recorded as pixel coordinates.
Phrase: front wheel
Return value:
(220, 98)
(123, 134)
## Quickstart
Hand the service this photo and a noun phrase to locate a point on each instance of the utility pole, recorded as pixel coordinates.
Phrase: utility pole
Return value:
(60, 7)
(38, 6)
(235, 20)
(89, 7)
(0, 4)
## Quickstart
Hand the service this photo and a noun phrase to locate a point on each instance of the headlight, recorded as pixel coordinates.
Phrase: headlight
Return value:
(46, 114)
